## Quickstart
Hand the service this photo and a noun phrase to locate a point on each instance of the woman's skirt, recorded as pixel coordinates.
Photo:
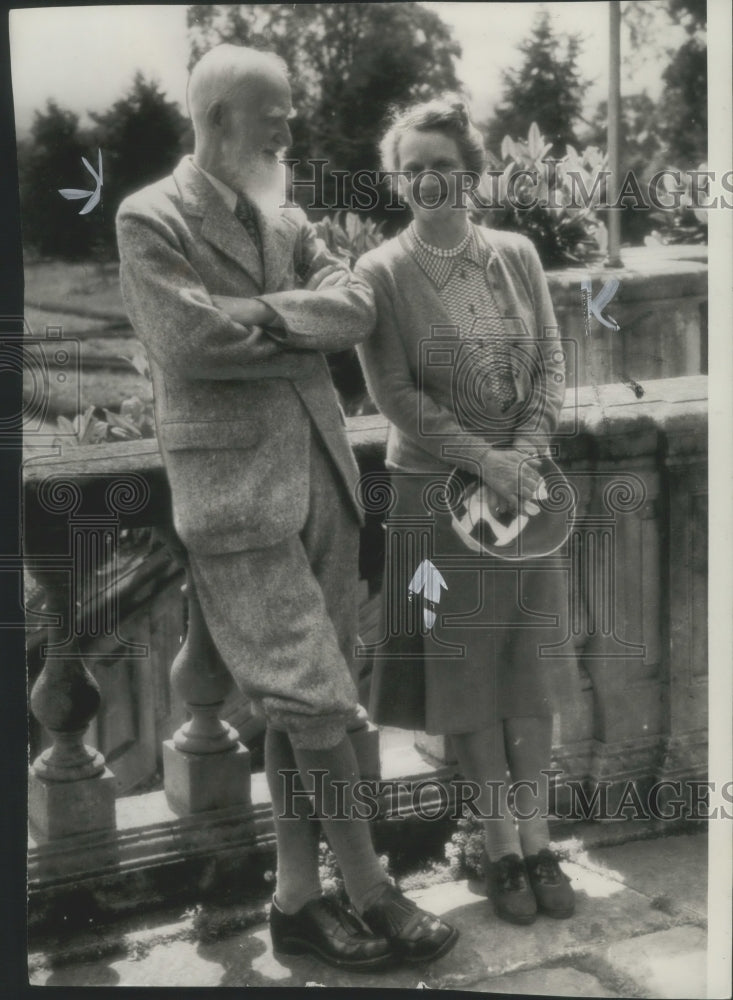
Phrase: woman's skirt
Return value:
(465, 637)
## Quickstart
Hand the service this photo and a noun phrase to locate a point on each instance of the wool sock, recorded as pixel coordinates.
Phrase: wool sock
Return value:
(482, 759)
(528, 744)
(350, 838)
(297, 839)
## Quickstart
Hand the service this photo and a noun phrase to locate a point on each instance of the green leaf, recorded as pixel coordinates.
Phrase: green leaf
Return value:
(534, 140)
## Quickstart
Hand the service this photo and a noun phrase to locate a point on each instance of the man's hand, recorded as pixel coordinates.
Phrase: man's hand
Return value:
(330, 276)
(512, 476)
(258, 342)
(249, 312)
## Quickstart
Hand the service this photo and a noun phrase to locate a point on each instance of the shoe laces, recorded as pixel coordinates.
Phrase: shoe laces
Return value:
(401, 916)
(546, 868)
(345, 917)
(510, 875)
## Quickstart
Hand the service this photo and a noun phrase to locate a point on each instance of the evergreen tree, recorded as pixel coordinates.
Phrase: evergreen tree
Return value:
(48, 161)
(684, 101)
(546, 88)
(142, 137)
(681, 114)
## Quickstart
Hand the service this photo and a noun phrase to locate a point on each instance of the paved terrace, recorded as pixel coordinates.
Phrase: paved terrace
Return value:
(639, 931)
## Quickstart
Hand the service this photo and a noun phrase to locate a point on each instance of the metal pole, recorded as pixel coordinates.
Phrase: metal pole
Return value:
(613, 258)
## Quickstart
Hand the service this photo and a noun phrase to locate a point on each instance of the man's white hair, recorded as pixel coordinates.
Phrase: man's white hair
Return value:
(221, 71)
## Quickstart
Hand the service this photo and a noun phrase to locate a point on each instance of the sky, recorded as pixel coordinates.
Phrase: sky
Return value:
(85, 57)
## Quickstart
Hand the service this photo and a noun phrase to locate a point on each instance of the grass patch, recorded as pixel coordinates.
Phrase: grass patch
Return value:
(87, 289)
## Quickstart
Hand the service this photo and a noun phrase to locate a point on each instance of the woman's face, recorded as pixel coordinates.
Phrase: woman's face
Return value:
(438, 193)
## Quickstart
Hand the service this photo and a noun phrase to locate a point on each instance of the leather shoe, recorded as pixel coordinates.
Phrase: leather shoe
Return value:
(415, 936)
(551, 886)
(325, 928)
(509, 890)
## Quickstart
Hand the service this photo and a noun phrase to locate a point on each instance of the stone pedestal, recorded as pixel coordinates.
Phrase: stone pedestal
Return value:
(204, 765)
(197, 782)
(61, 808)
(365, 741)
(438, 749)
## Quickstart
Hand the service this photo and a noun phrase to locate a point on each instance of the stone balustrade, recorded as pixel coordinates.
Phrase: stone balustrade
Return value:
(660, 306)
(632, 670)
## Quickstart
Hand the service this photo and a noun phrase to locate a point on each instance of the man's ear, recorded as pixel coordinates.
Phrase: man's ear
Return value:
(215, 114)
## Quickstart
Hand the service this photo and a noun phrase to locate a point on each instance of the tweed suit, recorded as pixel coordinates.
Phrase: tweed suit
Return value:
(253, 448)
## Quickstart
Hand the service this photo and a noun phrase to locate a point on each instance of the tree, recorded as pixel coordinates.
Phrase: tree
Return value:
(348, 62)
(681, 113)
(684, 104)
(51, 160)
(641, 150)
(546, 88)
(142, 137)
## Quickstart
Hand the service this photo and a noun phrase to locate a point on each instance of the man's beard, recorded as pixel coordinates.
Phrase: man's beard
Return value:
(266, 183)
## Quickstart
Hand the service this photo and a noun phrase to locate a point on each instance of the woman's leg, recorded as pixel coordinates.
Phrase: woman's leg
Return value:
(482, 759)
(528, 750)
(528, 745)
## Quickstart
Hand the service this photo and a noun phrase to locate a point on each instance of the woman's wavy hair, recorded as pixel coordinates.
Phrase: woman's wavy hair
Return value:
(447, 114)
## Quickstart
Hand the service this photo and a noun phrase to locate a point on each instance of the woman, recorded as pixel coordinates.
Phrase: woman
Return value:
(465, 366)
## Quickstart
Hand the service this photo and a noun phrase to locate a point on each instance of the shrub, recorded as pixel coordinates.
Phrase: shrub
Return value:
(330, 874)
(687, 223)
(465, 849)
(134, 422)
(348, 235)
(562, 231)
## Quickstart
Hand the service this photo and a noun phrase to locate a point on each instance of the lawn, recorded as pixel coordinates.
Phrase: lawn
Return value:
(85, 288)
(84, 301)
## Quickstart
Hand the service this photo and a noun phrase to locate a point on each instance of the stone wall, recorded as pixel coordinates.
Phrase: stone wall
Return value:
(660, 306)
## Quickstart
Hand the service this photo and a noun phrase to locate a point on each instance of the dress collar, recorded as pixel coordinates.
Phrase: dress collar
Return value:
(439, 268)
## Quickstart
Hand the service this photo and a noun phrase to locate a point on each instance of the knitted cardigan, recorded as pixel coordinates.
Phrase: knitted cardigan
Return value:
(409, 360)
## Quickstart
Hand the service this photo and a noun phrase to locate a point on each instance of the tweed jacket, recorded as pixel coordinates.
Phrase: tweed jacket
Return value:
(411, 359)
(235, 433)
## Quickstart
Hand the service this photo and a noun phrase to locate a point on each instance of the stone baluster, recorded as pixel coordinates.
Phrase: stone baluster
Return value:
(70, 788)
(364, 736)
(205, 765)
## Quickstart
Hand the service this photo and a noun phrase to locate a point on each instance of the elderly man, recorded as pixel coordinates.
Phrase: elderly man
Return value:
(262, 476)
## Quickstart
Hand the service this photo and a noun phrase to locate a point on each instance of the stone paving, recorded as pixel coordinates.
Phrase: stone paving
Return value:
(639, 931)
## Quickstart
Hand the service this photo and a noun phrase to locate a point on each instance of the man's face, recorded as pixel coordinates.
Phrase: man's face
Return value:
(256, 132)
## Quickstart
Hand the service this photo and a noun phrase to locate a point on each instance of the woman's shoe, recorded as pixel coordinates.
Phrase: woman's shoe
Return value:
(509, 889)
(551, 886)
(415, 936)
(324, 928)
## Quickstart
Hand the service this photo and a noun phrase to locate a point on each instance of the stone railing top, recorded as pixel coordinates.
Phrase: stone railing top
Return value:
(663, 272)
(600, 411)
(610, 415)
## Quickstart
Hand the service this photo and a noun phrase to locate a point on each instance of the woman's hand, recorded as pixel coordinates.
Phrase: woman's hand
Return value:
(513, 477)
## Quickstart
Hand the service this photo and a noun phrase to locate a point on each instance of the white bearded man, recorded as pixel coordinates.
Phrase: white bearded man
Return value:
(236, 300)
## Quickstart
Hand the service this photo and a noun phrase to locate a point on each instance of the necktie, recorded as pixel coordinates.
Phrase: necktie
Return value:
(245, 213)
